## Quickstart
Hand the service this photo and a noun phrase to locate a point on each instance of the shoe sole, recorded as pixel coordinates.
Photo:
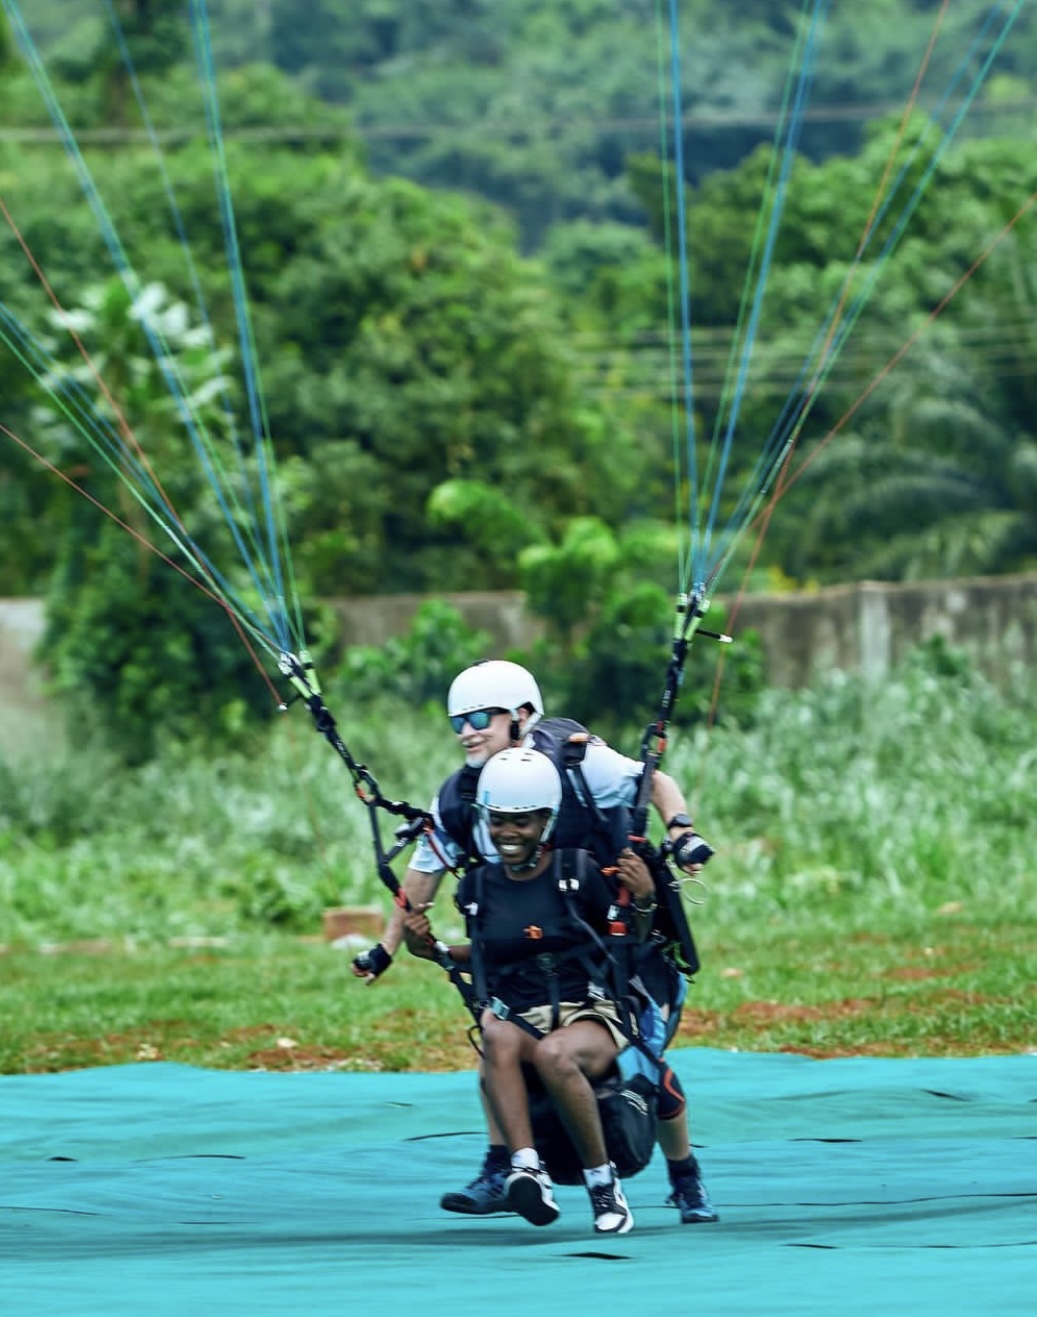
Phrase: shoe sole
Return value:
(524, 1197)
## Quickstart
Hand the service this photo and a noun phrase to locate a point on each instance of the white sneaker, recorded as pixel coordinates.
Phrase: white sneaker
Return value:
(530, 1193)
(612, 1214)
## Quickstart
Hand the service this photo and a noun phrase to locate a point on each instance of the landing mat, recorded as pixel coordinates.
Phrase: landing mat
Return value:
(845, 1186)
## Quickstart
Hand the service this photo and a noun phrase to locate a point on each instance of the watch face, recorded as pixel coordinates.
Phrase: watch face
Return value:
(679, 821)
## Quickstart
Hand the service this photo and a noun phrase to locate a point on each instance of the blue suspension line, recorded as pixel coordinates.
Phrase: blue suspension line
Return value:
(245, 484)
(795, 123)
(685, 293)
(880, 214)
(78, 406)
(776, 446)
(131, 282)
(203, 49)
(178, 222)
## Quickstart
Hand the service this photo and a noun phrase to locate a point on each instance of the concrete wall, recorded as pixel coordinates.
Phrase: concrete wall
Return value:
(868, 626)
(872, 625)
(500, 613)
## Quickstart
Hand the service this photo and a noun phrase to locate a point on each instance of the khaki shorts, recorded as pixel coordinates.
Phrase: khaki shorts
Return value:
(569, 1012)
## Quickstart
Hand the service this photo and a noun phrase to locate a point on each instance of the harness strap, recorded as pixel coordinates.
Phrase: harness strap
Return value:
(628, 991)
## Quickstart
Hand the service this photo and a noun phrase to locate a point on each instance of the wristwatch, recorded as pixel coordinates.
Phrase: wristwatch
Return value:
(680, 821)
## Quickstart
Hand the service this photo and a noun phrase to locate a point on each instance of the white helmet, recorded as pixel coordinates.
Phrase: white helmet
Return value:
(495, 684)
(520, 781)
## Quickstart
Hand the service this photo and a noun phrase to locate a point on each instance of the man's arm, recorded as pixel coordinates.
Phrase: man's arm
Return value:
(668, 798)
(419, 887)
(613, 779)
(690, 852)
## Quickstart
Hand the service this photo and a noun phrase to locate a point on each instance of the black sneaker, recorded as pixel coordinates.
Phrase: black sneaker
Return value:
(484, 1196)
(612, 1214)
(530, 1193)
(691, 1199)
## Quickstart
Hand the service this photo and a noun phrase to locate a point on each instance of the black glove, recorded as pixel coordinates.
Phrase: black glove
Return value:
(689, 849)
(370, 964)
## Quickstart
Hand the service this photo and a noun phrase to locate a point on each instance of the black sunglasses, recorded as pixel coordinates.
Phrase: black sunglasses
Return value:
(478, 720)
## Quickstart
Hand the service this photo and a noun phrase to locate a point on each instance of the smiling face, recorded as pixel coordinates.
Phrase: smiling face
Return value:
(481, 744)
(516, 837)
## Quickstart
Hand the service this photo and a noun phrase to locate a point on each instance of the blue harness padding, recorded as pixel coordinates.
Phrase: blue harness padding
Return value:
(653, 1035)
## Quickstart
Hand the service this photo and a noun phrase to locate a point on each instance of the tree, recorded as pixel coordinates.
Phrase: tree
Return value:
(608, 601)
(936, 478)
(138, 654)
(153, 34)
(937, 483)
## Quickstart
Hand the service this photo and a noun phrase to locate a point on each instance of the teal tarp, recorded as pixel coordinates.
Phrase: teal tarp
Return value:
(848, 1186)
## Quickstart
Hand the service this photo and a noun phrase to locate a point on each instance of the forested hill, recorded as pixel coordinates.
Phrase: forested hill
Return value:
(460, 275)
(537, 105)
(422, 372)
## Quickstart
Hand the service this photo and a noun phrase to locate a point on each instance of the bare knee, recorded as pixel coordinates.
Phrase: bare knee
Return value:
(554, 1057)
(501, 1043)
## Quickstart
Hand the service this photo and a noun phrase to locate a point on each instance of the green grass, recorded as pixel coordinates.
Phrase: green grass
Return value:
(941, 986)
(873, 890)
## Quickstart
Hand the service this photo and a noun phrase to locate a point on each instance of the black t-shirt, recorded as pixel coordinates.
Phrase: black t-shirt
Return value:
(520, 920)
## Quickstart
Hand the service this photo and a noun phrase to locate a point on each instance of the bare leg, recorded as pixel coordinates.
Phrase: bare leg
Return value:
(567, 1060)
(673, 1138)
(493, 1129)
(505, 1047)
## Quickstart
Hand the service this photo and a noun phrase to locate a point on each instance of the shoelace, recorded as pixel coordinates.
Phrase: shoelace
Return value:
(603, 1200)
(488, 1179)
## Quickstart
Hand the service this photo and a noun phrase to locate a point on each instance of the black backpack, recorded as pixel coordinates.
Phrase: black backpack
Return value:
(628, 1110)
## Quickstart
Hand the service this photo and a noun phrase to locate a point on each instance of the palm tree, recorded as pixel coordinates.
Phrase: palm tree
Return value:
(939, 481)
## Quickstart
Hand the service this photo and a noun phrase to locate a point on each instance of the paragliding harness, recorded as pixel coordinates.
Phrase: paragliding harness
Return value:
(628, 1098)
(564, 741)
(627, 1101)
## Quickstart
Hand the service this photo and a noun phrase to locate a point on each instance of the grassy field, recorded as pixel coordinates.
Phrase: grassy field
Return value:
(947, 986)
(873, 891)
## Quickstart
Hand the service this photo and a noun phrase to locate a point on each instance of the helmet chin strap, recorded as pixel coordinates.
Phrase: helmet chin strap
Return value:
(533, 860)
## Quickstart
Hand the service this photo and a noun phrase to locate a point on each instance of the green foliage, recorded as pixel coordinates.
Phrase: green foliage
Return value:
(265, 832)
(879, 788)
(415, 668)
(156, 39)
(934, 479)
(610, 629)
(564, 583)
(403, 343)
(489, 520)
(437, 402)
(137, 654)
(856, 801)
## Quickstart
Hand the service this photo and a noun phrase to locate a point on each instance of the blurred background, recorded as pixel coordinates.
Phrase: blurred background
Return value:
(428, 253)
